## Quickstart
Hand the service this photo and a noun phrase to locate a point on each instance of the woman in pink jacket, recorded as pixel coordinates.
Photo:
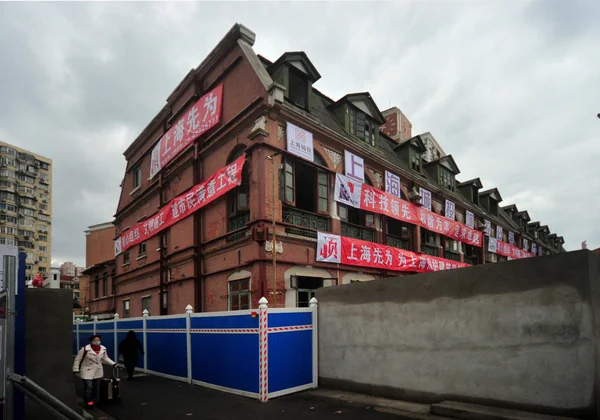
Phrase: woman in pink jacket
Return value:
(88, 365)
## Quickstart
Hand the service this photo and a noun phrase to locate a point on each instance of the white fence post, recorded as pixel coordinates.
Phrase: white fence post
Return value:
(145, 338)
(263, 349)
(95, 320)
(188, 334)
(314, 305)
(116, 320)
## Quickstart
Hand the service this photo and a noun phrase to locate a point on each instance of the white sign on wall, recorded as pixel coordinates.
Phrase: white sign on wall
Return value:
(499, 233)
(300, 142)
(492, 245)
(450, 210)
(511, 238)
(392, 184)
(488, 228)
(425, 199)
(354, 166)
(470, 219)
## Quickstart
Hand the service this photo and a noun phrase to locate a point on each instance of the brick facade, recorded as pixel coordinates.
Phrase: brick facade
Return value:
(207, 258)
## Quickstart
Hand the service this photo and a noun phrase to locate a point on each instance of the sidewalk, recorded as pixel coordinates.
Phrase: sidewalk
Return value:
(150, 397)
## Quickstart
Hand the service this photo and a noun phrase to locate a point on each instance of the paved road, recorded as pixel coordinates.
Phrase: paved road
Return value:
(154, 398)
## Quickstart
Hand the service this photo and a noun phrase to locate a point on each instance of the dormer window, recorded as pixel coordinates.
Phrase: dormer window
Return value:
(446, 178)
(362, 126)
(415, 160)
(476, 196)
(297, 88)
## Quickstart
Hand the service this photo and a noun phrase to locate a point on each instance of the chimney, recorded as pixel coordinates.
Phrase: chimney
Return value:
(396, 126)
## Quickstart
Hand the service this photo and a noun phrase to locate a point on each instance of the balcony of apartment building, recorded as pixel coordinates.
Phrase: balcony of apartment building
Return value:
(399, 234)
(28, 169)
(9, 186)
(429, 242)
(44, 179)
(304, 195)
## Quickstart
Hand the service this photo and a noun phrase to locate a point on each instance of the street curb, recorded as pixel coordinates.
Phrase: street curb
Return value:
(403, 409)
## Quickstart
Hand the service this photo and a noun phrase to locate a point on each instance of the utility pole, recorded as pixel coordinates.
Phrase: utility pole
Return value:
(273, 225)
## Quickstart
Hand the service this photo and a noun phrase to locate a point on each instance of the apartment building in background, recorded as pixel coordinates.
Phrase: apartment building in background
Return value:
(26, 206)
(70, 269)
(286, 156)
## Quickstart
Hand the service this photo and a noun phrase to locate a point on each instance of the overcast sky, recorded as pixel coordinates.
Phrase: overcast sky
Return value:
(510, 89)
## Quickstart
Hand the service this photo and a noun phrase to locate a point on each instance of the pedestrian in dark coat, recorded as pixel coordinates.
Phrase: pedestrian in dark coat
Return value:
(129, 350)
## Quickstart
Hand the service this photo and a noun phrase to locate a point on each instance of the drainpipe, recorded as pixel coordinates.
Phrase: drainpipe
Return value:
(197, 177)
(163, 311)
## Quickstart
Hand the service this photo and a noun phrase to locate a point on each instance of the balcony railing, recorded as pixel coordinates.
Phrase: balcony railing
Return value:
(471, 260)
(451, 255)
(397, 242)
(307, 223)
(429, 250)
(236, 223)
(358, 232)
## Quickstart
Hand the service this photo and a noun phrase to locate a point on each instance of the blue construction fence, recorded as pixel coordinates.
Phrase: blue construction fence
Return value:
(263, 353)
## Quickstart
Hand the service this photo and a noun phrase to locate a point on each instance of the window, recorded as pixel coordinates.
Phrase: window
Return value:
(126, 309)
(415, 160)
(27, 212)
(8, 174)
(26, 222)
(8, 151)
(42, 269)
(27, 245)
(43, 228)
(356, 216)
(105, 284)
(25, 178)
(26, 190)
(239, 294)
(7, 184)
(43, 217)
(9, 230)
(446, 178)
(97, 287)
(22, 232)
(43, 178)
(146, 301)
(43, 248)
(43, 238)
(126, 257)
(398, 234)
(305, 289)
(237, 199)
(142, 249)
(8, 219)
(43, 207)
(298, 88)
(7, 196)
(27, 201)
(43, 259)
(44, 166)
(137, 177)
(428, 242)
(29, 255)
(305, 186)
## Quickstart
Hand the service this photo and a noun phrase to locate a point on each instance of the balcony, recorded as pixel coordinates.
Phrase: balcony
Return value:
(309, 222)
(451, 255)
(236, 223)
(397, 242)
(358, 232)
(429, 250)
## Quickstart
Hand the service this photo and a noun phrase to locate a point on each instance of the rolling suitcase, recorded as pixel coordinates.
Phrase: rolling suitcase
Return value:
(109, 388)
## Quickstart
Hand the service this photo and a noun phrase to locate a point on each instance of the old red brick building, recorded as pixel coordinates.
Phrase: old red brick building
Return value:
(221, 257)
(98, 298)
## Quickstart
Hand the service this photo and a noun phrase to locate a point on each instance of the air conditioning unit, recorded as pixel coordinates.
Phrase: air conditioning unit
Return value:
(415, 195)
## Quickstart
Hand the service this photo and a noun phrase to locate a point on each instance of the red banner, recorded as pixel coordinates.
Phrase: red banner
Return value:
(371, 199)
(508, 250)
(350, 251)
(201, 117)
(224, 180)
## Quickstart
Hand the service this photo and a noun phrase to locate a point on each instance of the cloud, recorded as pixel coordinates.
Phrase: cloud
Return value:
(509, 89)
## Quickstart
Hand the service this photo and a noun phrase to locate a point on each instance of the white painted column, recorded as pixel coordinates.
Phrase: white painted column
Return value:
(116, 321)
(95, 320)
(188, 313)
(145, 338)
(263, 350)
(314, 305)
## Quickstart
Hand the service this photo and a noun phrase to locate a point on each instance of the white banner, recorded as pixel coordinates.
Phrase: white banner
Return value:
(450, 210)
(499, 233)
(492, 245)
(300, 142)
(470, 219)
(392, 184)
(329, 248)
(533, 248)
(347, 191)
(425, 199)
(354, 166)
(488, 228)
(511, 238)
(525, 244)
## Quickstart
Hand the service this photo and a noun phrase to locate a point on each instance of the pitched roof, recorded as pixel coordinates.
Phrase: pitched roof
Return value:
(493, 192)
(446, 161)
(475, 182)
(364, 102)
(299, 60)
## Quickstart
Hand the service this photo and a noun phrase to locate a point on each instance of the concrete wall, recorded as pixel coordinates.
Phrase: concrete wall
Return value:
(48, 346)
(518, 334)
